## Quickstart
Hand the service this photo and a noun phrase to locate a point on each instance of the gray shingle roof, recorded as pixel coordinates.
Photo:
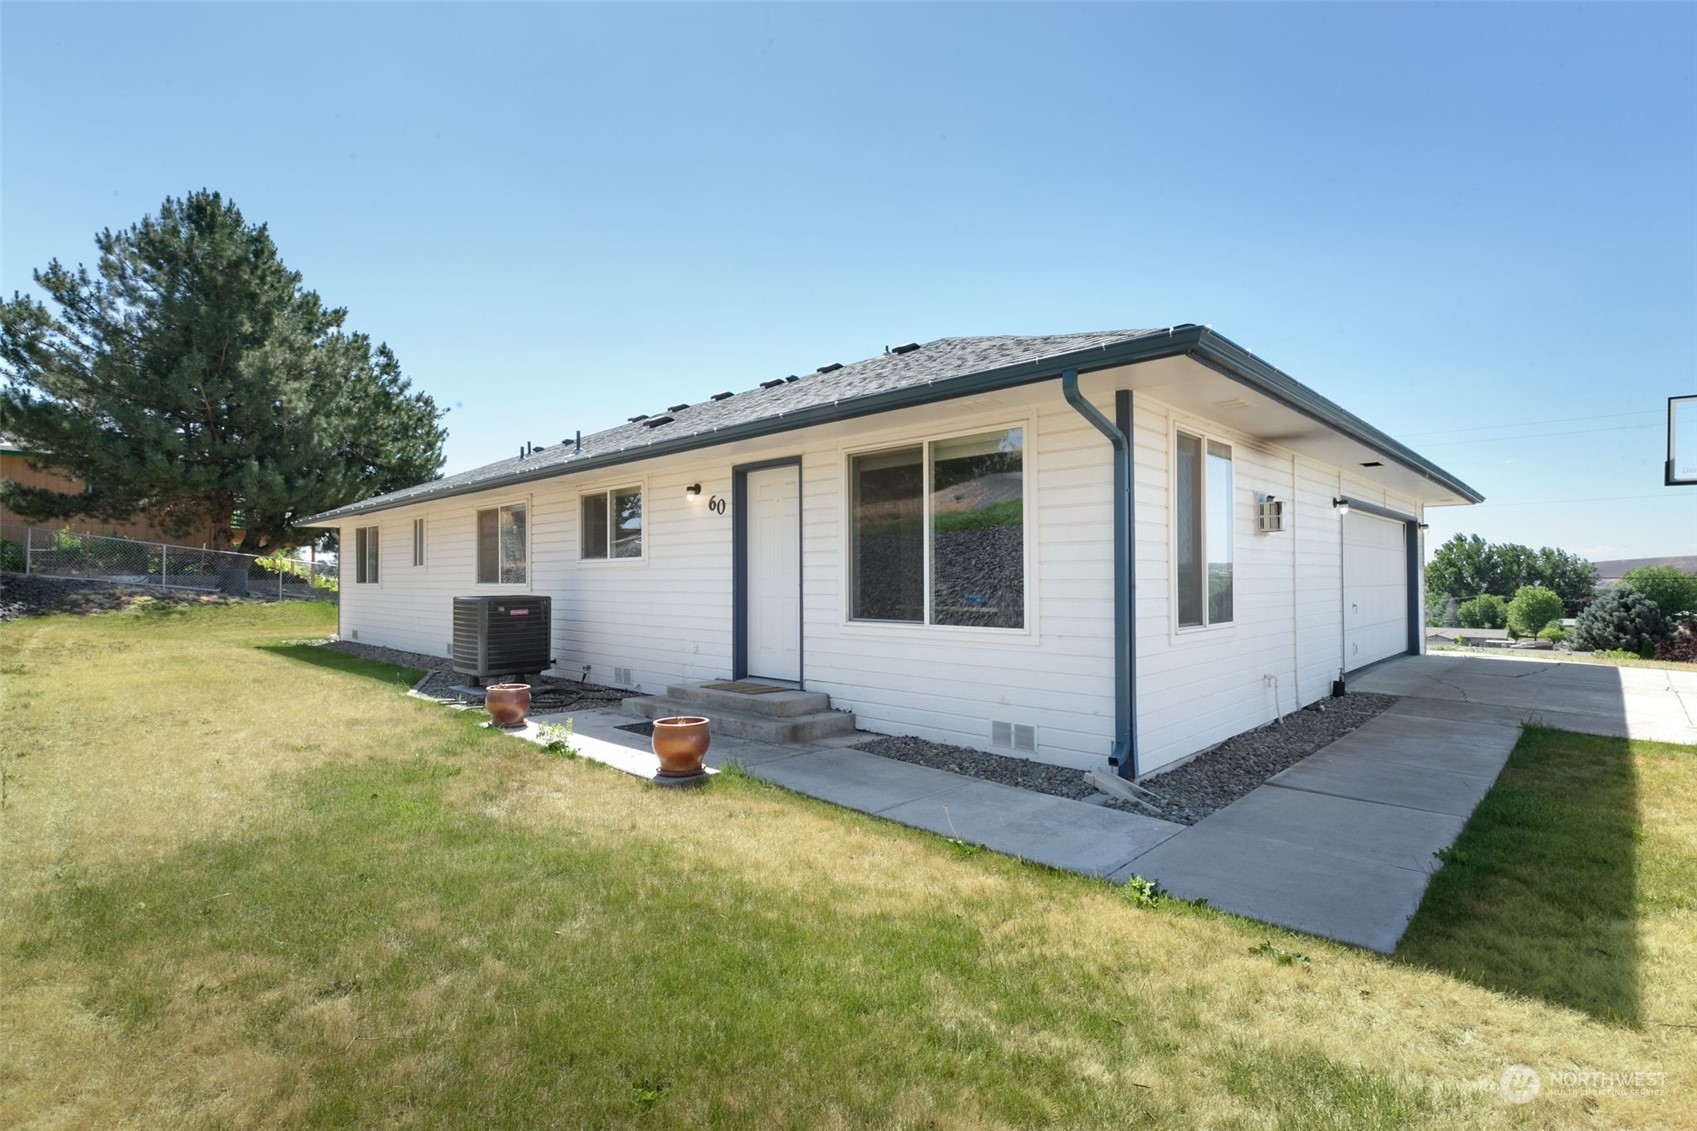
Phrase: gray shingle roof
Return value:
(930, 364)
(906, 376)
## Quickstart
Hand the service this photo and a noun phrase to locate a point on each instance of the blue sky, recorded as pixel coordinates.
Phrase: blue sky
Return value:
(1473, 225)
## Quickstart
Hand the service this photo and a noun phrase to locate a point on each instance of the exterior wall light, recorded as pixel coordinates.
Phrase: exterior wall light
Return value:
(1342, 506)
(693, 491)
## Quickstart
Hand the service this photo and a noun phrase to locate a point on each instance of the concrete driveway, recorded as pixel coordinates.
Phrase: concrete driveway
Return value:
(1589, 698)
(1343, 843)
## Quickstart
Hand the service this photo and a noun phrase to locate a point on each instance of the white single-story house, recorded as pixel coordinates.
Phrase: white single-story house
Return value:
(1125, 545)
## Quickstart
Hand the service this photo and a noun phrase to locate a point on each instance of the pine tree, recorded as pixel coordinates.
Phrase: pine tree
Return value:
(192, 378)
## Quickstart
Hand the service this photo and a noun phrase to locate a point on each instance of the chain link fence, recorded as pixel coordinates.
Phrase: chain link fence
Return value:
(126, 561)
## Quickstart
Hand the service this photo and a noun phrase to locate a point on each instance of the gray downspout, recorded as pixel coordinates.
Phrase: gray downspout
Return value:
(1124, 755)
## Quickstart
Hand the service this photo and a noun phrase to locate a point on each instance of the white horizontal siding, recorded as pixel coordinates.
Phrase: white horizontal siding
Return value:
(668, 617)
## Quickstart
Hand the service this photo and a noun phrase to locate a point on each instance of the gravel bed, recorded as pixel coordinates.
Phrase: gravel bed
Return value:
(546, 695)
(26, 595)
(1039, 777)
(1184, 794)
(1215, 778)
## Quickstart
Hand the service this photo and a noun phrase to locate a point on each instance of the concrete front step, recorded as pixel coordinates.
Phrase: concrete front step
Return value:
(738, 722)
(786, 703)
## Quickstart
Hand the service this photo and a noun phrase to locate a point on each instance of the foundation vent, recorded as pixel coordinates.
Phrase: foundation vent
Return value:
(621, 675)
(1014, 736)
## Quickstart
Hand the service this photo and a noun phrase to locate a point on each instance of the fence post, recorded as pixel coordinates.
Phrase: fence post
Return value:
(279, 581)
(163, 583)
(29, 547)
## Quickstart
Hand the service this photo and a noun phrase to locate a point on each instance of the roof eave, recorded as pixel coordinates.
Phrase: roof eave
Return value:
(1226, 357)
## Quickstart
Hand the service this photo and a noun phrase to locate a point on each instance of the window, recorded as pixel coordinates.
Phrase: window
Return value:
(365, 555)
(501, 545)
(1202, 534)
(938, 532)
(612, 524)
(418, 541)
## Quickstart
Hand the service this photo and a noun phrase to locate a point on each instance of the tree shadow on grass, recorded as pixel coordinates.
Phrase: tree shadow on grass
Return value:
(320, 656)
(1539, 894)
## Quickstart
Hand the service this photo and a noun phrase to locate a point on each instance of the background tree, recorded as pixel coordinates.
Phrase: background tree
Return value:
(191, 377)
(1533, 607)
(1467, 566)
(1484, 611)
(1673, 591)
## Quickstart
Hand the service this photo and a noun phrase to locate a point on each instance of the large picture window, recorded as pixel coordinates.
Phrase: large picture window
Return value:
(365, 555)
(938, 532)
(1202, 530)
(503, 545)
(612, 524)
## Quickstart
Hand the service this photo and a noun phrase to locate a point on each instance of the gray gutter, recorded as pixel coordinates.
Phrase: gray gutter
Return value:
(1197, 342)
(1124, 754)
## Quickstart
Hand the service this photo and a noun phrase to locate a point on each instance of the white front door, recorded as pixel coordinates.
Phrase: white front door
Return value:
(774, 574)
(1375, 589)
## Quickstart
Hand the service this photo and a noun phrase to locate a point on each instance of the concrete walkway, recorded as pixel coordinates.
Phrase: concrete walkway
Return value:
(1340, 845)
(1072, 835)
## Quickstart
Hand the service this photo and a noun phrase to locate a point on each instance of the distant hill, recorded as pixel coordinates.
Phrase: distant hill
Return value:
(1608, 573)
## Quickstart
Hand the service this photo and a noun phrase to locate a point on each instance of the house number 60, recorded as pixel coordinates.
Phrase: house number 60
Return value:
(716, 504)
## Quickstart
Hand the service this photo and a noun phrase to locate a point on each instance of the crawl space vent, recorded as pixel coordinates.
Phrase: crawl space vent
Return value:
(1014, 736)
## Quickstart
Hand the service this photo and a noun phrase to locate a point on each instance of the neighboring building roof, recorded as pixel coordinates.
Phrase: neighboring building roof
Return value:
(900, 378)
(1611, 571)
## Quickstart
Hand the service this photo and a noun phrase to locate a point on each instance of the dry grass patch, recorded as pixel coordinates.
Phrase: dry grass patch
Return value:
(397, 918)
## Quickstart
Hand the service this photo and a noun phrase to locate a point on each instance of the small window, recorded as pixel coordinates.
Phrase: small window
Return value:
(1202, 530)
(365, 555)
(612, 524)
(502, 545)
(418, 541)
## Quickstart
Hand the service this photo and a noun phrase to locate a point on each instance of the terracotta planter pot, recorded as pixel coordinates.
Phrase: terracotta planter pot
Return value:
(507, 703)
(680, 742)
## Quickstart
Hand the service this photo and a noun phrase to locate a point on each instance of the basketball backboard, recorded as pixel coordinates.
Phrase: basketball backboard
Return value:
(1682, 442)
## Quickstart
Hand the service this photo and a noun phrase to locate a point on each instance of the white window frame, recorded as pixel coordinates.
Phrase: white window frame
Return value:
(1205, 435)
(607, 493)
(924, 438)
(477, 550)
(368, 554)
(418, 533)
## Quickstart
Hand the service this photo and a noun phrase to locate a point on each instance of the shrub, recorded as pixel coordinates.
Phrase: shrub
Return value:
(1621, 620)
(1484, 611)
(1673, 591)
(1681, 647)
(11, 556)
(1532, 608)
(1552, 632)
(68, 544)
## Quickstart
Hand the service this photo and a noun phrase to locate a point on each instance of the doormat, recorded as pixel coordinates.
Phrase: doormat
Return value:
(743, 688)
(646, 729)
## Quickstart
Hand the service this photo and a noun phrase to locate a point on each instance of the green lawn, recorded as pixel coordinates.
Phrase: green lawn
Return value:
(249, 882)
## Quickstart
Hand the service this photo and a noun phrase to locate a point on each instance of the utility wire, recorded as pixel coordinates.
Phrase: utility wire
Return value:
(1537, 435)
(1529, 423)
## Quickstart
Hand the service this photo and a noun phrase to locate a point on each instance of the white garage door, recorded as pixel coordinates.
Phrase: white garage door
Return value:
(1375, 589)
